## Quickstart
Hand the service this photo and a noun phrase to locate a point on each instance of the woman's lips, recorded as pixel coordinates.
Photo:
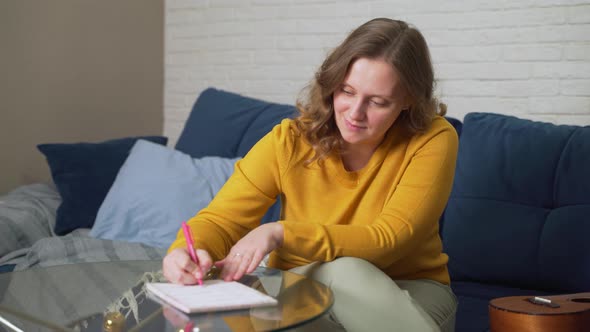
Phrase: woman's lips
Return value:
(352, 126)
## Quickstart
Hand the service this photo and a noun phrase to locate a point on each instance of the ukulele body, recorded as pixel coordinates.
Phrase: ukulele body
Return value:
(570, 312)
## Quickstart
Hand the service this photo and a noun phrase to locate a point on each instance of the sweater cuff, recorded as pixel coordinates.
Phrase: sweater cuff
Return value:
(180, 243)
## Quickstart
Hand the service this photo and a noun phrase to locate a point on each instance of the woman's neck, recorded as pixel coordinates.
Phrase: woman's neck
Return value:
(355, 158)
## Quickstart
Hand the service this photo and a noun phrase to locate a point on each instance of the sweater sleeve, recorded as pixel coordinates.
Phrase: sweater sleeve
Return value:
(408, 218)
(243, 200)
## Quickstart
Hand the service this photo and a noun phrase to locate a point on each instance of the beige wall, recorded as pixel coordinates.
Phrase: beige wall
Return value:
(75, 70)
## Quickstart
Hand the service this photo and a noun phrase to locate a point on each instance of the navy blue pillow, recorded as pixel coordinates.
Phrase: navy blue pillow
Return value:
(83, 174)
(226, 124)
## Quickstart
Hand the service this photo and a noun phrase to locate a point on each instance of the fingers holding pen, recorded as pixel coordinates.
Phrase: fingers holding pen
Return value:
(177, 267)
(204, 264)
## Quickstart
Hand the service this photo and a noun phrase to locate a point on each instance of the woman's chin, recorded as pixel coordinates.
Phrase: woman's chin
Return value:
(352, 140)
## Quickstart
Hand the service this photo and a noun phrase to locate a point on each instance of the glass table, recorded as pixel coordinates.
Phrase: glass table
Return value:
(111, 296)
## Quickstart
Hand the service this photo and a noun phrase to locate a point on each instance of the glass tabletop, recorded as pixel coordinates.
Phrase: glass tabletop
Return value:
(111, 296)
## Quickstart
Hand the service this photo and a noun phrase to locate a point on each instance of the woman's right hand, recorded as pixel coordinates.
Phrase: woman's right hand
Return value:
(178, 267)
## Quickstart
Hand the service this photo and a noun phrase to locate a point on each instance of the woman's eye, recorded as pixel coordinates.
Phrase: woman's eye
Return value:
(377, 103)
(347, 92)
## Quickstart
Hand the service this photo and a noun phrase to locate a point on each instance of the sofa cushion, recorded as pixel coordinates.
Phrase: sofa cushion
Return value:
(156, 189)
(83, 174)
(238, 123)
(518, 211)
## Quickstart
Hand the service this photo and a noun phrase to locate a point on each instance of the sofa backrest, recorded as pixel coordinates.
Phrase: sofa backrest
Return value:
(519, 211)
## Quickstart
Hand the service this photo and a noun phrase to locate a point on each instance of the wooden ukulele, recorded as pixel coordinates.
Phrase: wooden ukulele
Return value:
(560, 313)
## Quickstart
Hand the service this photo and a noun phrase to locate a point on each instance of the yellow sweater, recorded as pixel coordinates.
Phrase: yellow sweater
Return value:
(386, 213)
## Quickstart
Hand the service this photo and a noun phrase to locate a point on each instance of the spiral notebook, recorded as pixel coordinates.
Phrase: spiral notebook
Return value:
(213, 295)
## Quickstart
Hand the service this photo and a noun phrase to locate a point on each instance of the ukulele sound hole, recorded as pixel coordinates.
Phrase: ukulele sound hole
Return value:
(581, 300)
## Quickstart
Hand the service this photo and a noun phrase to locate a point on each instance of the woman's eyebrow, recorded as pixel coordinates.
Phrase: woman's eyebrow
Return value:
(386, 97)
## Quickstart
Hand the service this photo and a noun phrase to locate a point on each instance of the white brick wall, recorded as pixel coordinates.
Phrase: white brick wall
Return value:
(529, 58)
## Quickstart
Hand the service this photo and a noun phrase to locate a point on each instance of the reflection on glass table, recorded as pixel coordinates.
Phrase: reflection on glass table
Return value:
(301, 300)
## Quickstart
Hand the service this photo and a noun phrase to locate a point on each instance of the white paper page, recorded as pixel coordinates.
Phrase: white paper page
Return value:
(213, 295)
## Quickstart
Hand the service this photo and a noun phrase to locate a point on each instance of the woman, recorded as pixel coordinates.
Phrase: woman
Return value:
(364, 174)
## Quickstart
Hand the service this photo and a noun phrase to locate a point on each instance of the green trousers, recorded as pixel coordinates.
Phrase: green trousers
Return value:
(366, 299)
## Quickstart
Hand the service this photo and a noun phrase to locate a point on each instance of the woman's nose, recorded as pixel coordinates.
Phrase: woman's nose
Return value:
(357, 110)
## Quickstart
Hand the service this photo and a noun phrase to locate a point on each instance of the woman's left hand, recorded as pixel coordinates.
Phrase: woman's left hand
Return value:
(247, 253)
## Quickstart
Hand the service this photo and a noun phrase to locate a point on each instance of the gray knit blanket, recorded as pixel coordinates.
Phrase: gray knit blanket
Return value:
(27, 218)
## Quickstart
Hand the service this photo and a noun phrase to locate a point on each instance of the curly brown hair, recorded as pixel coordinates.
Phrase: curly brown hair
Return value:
(395, 42)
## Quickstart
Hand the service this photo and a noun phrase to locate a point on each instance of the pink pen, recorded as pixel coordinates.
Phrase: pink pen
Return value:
(189, 244)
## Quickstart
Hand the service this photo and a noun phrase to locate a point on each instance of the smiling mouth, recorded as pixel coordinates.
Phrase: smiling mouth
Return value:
(352, 126)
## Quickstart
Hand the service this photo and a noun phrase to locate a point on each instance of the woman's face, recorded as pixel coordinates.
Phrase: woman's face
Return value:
(367, 103)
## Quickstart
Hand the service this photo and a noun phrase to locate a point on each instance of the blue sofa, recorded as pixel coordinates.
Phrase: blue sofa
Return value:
(518, 214)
